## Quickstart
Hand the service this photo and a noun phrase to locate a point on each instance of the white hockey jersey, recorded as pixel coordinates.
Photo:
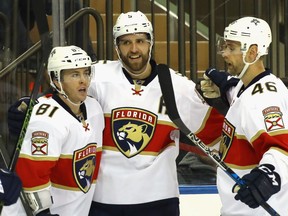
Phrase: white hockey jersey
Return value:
(62, 153)
(140, 142)
(255, 132)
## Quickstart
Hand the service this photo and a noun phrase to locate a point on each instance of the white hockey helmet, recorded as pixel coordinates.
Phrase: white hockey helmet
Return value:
(131, 23)
(249, 31)
(66, 57)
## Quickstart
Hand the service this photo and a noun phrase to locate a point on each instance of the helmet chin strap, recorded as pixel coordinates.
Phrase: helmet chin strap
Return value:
(247, 64)
(75, 104)
(62, 92)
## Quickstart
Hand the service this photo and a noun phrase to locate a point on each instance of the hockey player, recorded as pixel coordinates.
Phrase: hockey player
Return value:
(138, 175)
(10, 187)
(60, 155)
(255, 131)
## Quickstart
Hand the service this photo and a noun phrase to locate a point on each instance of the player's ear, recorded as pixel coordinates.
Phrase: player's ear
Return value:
(252, 53)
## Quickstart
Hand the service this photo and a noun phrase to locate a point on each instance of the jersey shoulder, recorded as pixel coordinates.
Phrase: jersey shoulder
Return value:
(269, 86)
(93, 105)
(108, 70)
(50, 116)
(181, 83)
(267, 92)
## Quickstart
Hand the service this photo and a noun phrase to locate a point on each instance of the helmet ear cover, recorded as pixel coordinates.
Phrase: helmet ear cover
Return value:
(250, 31)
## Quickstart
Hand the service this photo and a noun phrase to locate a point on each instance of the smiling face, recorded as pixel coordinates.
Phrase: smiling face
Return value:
(75, 83)
(134, 51)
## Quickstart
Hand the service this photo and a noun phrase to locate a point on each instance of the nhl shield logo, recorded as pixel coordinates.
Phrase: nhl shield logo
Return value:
(84, 163)
(132, 129)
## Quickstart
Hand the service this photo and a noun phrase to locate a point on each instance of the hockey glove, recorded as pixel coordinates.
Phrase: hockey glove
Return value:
(261, 183)
(209, 89)
(10, 187)
(16, 115)
(222, 80)
(212, 95)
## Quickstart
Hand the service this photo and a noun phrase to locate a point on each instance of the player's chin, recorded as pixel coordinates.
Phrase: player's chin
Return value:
(82, 96)
(137, 67)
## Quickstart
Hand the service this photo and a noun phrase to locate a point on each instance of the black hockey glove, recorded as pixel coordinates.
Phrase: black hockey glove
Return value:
(46, 212)
(10, 187)
(262, 182)
(222, 81)
(16, 115)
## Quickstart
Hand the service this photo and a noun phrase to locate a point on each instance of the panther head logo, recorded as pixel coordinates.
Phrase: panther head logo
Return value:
(86, 172)
(84, 165)
(135, 136)
(132, 129)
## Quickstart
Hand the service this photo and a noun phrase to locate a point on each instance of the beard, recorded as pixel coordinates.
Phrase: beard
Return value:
(137, 65)
(235, 70)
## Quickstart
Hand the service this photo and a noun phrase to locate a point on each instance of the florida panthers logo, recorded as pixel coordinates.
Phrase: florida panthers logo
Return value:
(86, 172)
(228, 132)
(135, 136)
(84, 163)
(132, 129)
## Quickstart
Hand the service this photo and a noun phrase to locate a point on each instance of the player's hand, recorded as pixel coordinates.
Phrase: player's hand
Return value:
(222, 79)
(209, 89)
(16, 115)
(262, 182)
(10, 187)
